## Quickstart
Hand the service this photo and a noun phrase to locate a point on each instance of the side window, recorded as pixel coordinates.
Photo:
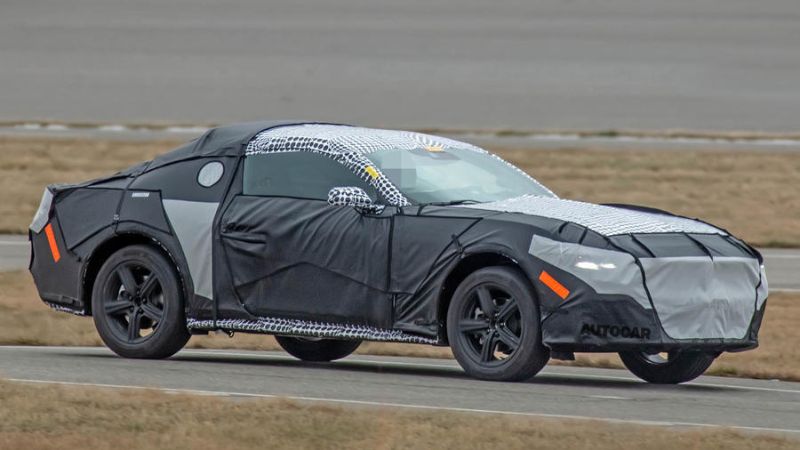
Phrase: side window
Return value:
(298, 174)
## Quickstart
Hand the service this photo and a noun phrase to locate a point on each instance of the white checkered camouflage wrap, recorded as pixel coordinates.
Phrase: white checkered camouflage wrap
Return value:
(66, 309)
(351, 196)
(606, 220)
(350, 146)
(294, 327)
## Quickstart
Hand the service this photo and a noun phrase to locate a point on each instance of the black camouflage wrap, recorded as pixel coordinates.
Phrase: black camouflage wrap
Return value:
(386, 272)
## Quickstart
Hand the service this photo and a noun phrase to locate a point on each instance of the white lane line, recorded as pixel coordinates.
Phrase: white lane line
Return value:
(784, 290)
(414, 406)
(769, 256)
(411, 365)
(456, 367)
(530, 135)
(610, 397)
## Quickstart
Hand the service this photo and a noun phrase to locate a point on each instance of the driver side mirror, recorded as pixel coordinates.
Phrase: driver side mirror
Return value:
(355, 197)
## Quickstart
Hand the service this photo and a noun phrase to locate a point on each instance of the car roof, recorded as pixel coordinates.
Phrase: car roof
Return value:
(350, 146)
(228, 140)
(345, 139)
(295, 135)
(347, 144)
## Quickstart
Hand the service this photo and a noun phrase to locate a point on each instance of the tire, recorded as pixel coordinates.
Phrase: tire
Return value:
(506, 345)
(678, 367)
(148, 323)
(317, 350)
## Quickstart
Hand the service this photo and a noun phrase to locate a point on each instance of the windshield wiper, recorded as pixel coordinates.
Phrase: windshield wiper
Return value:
(451, 202)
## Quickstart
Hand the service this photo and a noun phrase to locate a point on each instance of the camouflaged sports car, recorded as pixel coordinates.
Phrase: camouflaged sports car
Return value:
(326, 235)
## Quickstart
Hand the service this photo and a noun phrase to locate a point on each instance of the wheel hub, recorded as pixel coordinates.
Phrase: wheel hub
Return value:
(495, 322)
(492, 325)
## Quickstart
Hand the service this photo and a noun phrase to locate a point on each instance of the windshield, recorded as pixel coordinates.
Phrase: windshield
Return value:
(452, 175)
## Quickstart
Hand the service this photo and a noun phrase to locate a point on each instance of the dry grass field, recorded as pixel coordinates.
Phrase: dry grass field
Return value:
(52, 417)
(25, 320)
(753, 194)
(27, 165)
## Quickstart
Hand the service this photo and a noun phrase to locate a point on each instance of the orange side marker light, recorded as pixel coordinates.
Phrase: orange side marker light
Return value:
(51, 239)
(554, 285)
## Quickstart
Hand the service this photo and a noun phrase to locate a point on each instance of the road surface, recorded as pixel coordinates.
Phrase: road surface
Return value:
(14, 252)
(579, 64)
(560, 392)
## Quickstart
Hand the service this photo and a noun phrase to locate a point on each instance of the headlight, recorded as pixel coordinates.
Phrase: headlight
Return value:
(589, 265)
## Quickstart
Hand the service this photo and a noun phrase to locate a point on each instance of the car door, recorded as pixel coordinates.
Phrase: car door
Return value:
(292, 255)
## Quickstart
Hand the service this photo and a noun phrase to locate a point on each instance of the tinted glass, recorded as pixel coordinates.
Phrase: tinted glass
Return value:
(449, 175)
(298, 174)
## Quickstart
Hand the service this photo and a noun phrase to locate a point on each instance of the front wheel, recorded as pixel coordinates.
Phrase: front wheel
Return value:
(317, 349)
(671, 368)
(493, 325)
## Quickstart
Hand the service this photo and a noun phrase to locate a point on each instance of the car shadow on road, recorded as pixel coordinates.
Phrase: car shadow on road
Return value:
(436, 371)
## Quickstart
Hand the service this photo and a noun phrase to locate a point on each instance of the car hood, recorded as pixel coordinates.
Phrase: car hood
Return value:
(606, 220)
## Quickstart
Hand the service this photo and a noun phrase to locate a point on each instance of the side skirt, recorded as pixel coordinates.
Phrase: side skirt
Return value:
(62, 308)
(293, 327)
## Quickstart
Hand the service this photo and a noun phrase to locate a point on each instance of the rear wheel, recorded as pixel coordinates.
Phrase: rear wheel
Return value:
(137, 304)
(317, 349)
(493, 326)
(670, 368)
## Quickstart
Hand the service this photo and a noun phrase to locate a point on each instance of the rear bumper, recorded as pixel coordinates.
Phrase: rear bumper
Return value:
(55, 270)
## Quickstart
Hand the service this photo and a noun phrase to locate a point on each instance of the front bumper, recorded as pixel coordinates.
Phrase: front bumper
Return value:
(616, 323)
(618, 301)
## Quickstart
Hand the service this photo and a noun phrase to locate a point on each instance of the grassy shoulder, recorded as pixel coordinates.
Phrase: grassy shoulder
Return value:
(753, 194)
(53, 417)
(25, 320)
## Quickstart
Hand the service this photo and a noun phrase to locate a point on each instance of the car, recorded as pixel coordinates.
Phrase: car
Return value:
(326, 235)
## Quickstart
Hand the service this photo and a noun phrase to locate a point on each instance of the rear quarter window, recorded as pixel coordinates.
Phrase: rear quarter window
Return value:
(180, 180)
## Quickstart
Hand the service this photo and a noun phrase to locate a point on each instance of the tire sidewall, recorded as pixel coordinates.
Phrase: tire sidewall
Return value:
(530, 356)
(685, 367)
(172, 329)
(317, 350)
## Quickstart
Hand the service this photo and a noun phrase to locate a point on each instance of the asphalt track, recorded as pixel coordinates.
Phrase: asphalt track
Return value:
(430, 384)
(580, 64)
(14, 252)
(782, 265)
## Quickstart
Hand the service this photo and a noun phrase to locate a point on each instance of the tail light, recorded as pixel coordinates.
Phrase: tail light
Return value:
(43, 213)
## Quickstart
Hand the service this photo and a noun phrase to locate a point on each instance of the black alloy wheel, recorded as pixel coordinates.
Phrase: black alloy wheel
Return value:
(493, 326)
(490, 325)
(137, 304)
